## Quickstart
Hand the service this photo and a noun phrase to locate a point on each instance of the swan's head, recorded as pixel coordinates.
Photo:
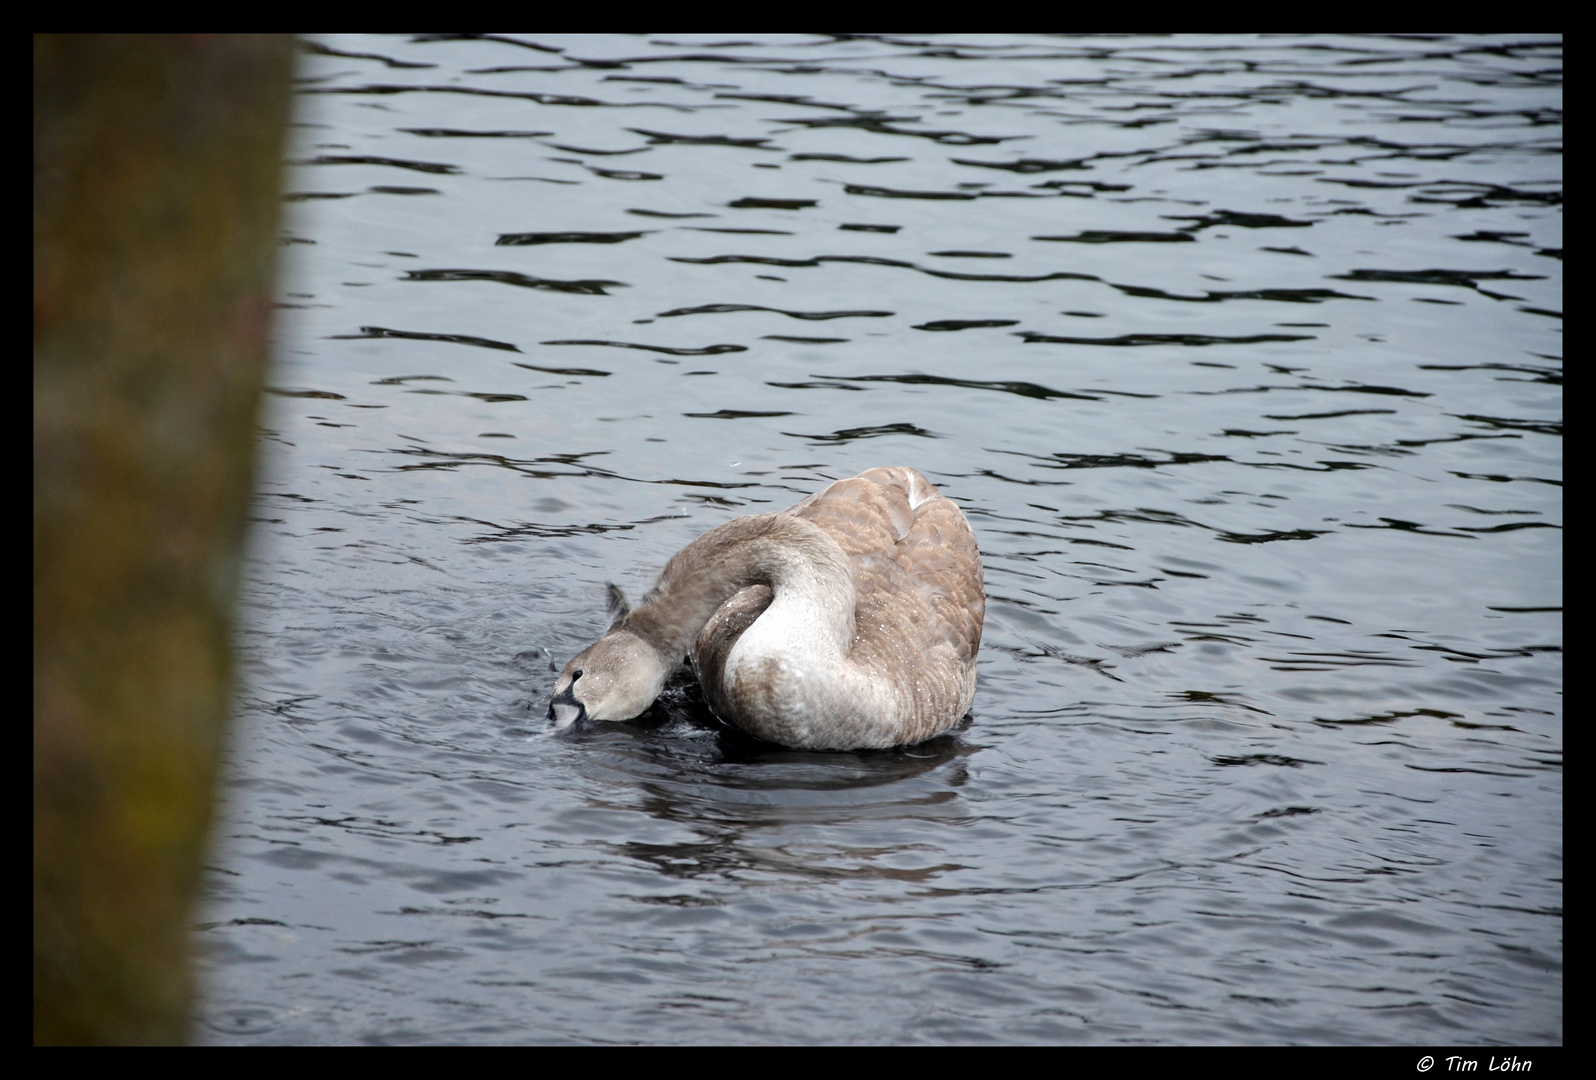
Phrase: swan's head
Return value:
(615, 678)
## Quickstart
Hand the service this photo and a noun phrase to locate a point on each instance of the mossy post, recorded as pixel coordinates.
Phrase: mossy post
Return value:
(156, 192)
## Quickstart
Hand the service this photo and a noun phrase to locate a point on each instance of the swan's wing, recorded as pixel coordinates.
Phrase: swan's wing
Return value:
(941, 555)
(895, 517)
(862, 515)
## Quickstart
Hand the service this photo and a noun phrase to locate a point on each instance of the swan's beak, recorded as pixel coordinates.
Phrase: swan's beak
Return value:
(565, 710)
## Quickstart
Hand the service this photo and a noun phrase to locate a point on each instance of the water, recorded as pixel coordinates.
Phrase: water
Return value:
(1243, 357)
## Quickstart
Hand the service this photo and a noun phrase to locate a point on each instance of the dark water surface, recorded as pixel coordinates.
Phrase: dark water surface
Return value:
(1244, 357)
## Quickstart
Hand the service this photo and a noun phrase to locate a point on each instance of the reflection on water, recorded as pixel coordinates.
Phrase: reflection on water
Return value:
(1242, 356)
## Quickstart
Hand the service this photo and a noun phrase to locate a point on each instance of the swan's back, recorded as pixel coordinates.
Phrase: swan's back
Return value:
(919, 605)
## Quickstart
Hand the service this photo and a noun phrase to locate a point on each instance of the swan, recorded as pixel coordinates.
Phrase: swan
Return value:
(850, 621)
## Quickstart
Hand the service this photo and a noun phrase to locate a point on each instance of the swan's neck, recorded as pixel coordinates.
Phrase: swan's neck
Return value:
(813, 592)
(790, 677)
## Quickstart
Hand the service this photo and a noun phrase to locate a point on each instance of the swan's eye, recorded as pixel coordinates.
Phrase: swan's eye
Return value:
(575, 675)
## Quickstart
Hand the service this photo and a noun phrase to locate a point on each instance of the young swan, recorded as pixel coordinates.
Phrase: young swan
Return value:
(851, 620)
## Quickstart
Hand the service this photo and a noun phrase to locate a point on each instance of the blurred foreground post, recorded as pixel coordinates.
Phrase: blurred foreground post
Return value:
(156, 188)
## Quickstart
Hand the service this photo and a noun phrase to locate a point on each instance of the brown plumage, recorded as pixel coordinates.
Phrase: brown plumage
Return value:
(851, 620)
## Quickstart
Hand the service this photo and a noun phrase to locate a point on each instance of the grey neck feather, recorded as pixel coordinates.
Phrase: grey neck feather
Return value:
(800, 563)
